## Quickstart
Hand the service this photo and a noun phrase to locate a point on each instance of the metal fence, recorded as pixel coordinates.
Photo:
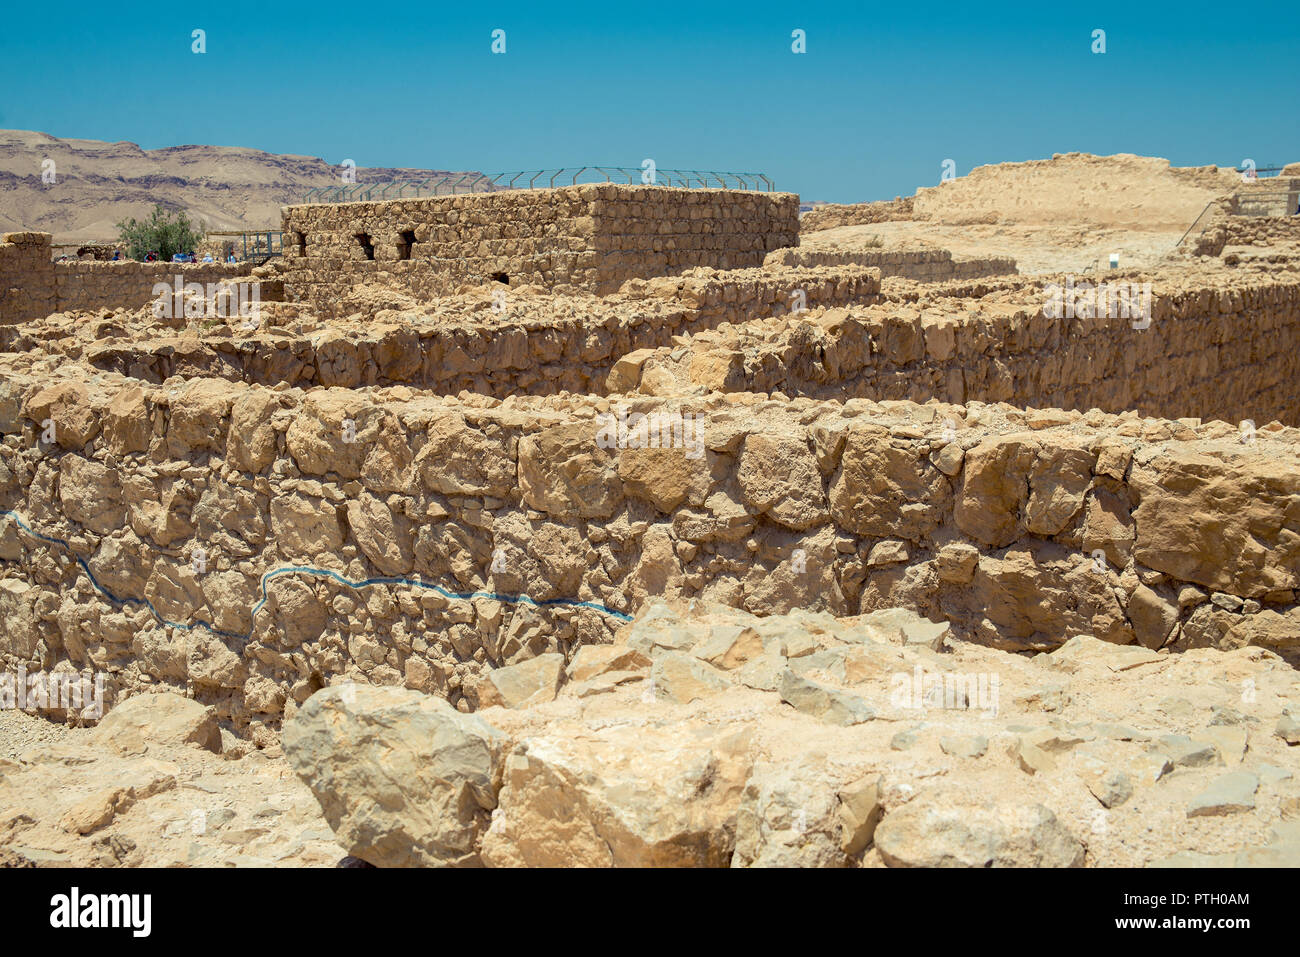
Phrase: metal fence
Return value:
(451, 184)
(262, 245)
(1267, 171)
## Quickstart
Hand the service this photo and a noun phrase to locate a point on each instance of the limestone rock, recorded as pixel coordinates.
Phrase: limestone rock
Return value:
(683, 678)
(1288, 729)
(956, 561)
(1152, 615)
(146, 720)
(1228, 794)
(779, 477)
(790, 818)
(522, 685)
(562, 470)
(591, 661)
(403, 779)
(964, 746)
(823, 701)
(945, 828)
(583, 801)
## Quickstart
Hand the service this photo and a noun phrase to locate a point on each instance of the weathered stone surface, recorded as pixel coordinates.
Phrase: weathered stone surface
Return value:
(1228, 794)
(1222, 526)
(583, 801)
(824, 702)
(142, 721)
(1153, 616)
(523, 685)
(952, 829)
(684, 678)
(790, 818)
(594, 660)
(402, 778)
(666, 477)
(460, 460)
(251, 443)
(562, 470)
(1288, 729)
(64, 407)
(994, 489)
(779, 477)
(877, 479)
(956, 561)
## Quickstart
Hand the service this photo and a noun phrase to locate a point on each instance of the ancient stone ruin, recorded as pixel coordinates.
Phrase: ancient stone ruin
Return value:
(592, 237)
(689, 534)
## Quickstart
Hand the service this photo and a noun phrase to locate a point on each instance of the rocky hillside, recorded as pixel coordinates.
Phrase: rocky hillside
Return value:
(98, 184)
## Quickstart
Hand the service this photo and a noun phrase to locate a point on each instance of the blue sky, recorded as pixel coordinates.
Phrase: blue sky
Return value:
(883, 95)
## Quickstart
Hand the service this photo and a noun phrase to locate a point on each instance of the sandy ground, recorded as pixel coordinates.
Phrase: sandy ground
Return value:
(1036, 249)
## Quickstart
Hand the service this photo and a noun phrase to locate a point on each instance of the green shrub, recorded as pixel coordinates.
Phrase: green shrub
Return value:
(163, 233)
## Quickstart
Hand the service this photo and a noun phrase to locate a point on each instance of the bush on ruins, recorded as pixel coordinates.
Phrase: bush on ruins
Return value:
(163, 233)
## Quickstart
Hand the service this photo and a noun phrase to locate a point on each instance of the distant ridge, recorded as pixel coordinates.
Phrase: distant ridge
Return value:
(97, 184)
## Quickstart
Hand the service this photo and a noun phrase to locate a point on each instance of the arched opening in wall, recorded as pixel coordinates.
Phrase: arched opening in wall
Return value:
(406, 244)
(301, 240)
(501, 277)
(367, 247)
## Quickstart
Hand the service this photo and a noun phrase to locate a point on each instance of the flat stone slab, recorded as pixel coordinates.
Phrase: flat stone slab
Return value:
(1226, 794)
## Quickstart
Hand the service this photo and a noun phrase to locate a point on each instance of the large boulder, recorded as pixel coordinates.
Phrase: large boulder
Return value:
(158, 720)
(562, 470)
(65, 406)
(460, 460)
(626, 796)
(403, 778)
(886, 490)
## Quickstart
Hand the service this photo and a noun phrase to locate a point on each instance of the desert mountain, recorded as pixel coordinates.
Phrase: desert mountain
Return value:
(98, 184)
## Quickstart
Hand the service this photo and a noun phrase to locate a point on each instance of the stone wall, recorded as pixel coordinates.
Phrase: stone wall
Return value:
(1273, 196)
(32, 286)
(26, 277)
(1217, 347)
(531, 346)
(833, 215)
(593, 237)
(1261, 230)
(922, 265)
(1020, 528)
(107, 285)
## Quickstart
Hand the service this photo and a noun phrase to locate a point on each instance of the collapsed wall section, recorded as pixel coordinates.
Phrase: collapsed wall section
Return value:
(1022, 529)
(833, 215)
(1215, 347)
(593, 237)
(534, 345)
